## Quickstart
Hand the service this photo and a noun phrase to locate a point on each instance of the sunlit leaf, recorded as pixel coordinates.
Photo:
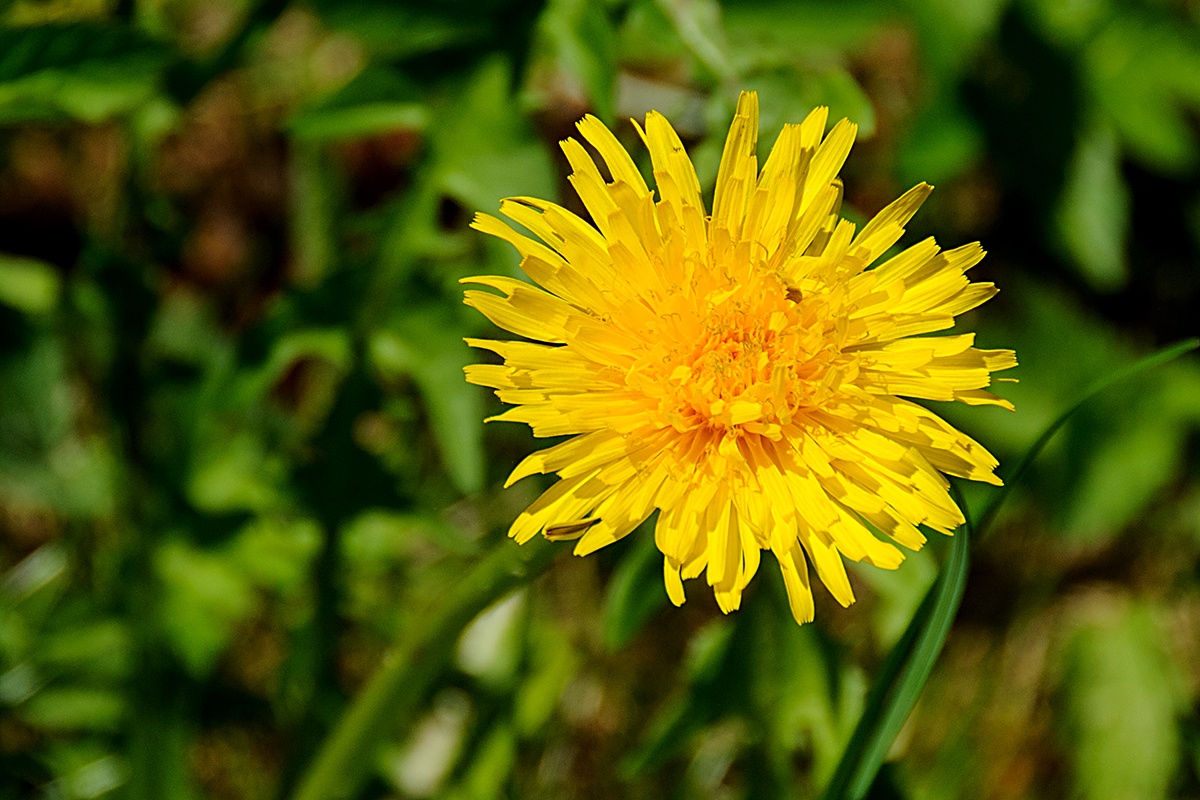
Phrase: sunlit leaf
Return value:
(485, 150)
(489, 767)
(276, 553)
(576, 45)
(240, 475)
(698, 25)
(95, 778)
(206, 596)
(28, 284)
(1093, 212)
(489, 648)
(1122, 701)
(75, 709)
(1144, 74)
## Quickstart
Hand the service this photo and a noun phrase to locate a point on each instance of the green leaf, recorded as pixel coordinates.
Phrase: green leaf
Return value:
(647, 40)
(74, 709)
(488, 767)
(941, 142)
(575, 45)
(1121, 474)
(1069, 24)
(393, 694)
(19, 683)
(911, 661)
(276, 553)
(379, 538)
(84, 71)
(951, 31)
(312, 232)
(205, 597)
(788, 97)
(240, 475)
(28, 284)
(378, 100)
(1144, 74)
(1122, 693)
(427, 344)
(635, 592)
(1092, 217)
(902, 678)
(35, 413)
(43, 571)
(184, 330)
(552, 664)
(485, 150)
(44, 462)
(698, 25)
(100, 648)
(786, 33)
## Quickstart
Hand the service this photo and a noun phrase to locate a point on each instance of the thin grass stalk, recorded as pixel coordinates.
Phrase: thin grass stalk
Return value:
(910, 663)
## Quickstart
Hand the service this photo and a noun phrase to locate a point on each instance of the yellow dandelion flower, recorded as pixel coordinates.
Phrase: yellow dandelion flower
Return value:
(743, 374)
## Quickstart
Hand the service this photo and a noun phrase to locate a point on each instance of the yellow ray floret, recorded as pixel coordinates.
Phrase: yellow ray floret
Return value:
(747, 376)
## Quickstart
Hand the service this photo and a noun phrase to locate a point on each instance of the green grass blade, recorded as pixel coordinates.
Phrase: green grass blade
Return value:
(911, 660)
(904, 674)
(1158, 358)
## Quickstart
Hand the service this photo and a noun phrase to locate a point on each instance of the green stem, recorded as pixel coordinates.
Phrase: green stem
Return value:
(904, 674)
(911, 660)
(410, 670)
(1151, 361)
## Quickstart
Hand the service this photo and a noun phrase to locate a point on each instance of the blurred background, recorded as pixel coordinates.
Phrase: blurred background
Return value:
(238, 459)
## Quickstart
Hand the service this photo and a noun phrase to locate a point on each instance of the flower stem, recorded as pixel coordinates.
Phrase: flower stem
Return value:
(909, 665)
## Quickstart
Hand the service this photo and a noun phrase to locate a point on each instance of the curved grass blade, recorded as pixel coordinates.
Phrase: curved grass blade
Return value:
(904, 674)
(1158, 358)
(911, 660)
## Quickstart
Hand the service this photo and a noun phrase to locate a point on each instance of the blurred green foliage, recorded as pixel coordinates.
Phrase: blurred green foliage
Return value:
(238, 461)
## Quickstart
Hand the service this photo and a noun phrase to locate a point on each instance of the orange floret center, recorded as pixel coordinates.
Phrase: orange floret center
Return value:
(748, 355)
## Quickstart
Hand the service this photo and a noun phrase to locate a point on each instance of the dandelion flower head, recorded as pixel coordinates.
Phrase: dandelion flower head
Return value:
(748, 375)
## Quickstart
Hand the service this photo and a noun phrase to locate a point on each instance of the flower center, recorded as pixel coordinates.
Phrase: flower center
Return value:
(742, 359)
